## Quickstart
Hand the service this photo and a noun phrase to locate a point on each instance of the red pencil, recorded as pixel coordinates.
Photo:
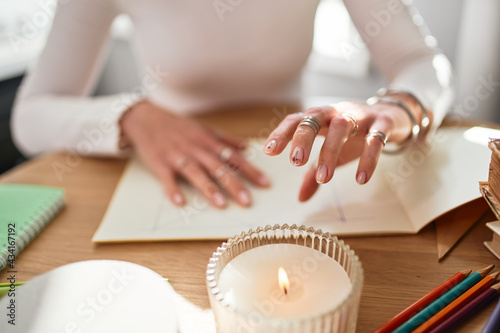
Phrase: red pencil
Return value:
(413, 309)
(468, 310)
(457, 304)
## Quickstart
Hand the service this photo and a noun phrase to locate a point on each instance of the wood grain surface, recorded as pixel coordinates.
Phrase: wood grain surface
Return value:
(398, 269)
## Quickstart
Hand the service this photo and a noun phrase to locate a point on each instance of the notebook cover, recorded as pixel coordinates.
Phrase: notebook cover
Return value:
(24, 212)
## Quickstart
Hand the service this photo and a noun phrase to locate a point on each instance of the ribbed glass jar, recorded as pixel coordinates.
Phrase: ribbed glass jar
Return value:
(339, 319)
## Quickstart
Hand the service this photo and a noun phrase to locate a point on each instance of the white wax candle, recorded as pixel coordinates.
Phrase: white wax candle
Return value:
(318, 283)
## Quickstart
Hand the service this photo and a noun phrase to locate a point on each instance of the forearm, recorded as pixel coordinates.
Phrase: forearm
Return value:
(88, 126)
(431, 81)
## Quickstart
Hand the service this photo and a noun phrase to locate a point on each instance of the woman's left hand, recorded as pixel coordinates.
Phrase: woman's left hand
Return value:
(338, 123)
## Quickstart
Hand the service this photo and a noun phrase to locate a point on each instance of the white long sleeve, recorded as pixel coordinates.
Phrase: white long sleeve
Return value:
(193, 56)
(52, 109)
(404, 51)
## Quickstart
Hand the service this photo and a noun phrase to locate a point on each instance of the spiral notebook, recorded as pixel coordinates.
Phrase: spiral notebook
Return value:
(24, 212)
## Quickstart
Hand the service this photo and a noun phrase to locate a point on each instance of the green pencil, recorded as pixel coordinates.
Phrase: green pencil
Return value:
(5, 287)
(443, 301)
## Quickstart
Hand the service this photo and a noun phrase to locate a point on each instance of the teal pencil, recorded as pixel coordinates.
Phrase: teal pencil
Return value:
(443, 301)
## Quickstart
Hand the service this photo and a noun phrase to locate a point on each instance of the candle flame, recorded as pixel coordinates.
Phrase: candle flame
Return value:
(283, 280)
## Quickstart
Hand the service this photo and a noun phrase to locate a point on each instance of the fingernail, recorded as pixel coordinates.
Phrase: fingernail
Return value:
(263, 180)
(178, 199)
(297, 156)
(361, 178)
(244, 198)
(219, 199)
(321, 174)
(270, 147)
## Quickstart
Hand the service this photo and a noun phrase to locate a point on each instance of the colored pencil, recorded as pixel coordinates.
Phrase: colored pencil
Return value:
(5, 287)
(493, 323)
(454, 306)
(443, 301)
(419, 305)
(468, 310)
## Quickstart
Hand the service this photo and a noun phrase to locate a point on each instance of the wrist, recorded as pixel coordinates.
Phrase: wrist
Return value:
(126, 123)
(417, 112)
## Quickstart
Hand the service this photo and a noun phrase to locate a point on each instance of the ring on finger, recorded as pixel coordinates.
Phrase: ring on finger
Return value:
(225, 154)
(312, 123)
(220, 172)
(377, 134)
(349, 116)
(182, 162)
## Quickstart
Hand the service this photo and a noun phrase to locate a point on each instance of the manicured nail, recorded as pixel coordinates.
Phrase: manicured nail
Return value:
(361, 178)
(178, 199)
(297, 156)
(219, 199)
(270, 147)
(321, 174)
(244, 198)
(263, 181)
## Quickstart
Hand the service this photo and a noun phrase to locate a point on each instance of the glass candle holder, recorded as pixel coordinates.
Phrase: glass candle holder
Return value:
(284, 279)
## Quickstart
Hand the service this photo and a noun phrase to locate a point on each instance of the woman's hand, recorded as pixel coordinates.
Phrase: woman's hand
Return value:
(345, 127)
(173, 146)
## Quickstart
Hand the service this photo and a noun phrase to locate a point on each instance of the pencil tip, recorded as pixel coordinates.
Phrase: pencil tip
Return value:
(486, 270)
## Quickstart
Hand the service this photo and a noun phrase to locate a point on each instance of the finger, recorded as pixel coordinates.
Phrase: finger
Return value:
(304, 135)
(225, 177)
(309, 185)
(339, 130)
(197, 176)
(169, 182)
(231, 141)
(372, 150)
(165, 173)
(279, 138)
(241, 166)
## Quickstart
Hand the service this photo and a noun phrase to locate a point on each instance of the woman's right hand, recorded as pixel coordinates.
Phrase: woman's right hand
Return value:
(173, 146)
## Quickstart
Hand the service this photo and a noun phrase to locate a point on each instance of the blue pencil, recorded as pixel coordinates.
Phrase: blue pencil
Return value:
(443, 301)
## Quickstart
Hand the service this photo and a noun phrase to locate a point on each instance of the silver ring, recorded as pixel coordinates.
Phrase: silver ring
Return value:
(377, 134)
(225, 154)
(349, 116)
(220, 172)
(312, 123)
(182, 162)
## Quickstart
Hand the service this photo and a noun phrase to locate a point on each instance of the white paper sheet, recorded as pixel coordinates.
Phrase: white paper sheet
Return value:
(445, 178)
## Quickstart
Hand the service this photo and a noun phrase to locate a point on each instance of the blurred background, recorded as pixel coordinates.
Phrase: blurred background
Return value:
(467, 31)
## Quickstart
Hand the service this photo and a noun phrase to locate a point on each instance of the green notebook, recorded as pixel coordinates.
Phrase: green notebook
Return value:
(24, 211)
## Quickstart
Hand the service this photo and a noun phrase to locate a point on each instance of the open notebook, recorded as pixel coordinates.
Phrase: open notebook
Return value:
(407, 192)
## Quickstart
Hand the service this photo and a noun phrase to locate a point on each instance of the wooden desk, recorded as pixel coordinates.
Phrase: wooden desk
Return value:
(398, 269)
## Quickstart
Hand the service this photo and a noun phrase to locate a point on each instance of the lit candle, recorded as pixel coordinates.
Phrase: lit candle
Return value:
(283, 280)
(310, 283)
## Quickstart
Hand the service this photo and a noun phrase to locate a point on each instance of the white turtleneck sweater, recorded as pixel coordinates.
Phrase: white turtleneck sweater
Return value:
(196, 54)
